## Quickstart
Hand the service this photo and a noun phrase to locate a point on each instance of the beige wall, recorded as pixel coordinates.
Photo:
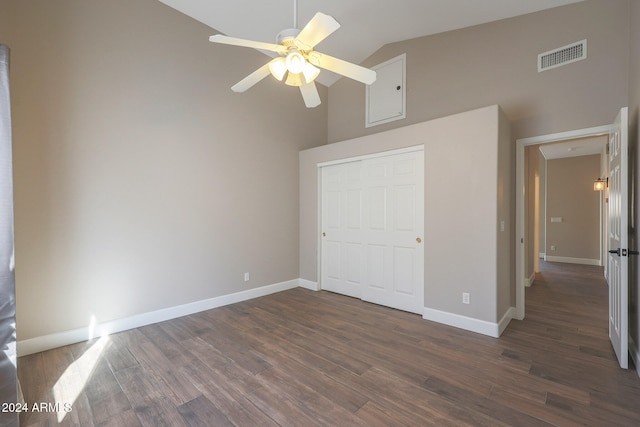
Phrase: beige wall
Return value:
(535, 173)
(463, 221)
(634, 140)
(506, 256)
(570, 196)
(466, 198)
(532, 172)
(495, 63)
(141, 181)
(542, 203)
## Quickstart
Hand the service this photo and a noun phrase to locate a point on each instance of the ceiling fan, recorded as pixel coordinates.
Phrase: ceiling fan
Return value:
(297, 60)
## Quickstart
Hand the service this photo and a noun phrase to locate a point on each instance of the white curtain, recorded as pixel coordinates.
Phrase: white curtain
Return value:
(8, 379)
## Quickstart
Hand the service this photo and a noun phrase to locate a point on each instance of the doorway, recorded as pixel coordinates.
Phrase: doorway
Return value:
(521, 223)
(617, 224)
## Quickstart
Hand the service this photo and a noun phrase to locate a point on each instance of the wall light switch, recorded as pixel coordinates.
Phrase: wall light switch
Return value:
(556, 219)
(246, 277)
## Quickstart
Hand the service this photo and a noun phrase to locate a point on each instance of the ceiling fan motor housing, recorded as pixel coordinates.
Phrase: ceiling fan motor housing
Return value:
(286, 37)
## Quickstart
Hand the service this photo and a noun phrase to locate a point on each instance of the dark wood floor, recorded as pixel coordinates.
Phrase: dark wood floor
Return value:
(303, 358)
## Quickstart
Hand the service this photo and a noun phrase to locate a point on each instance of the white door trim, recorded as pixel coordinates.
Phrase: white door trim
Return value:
(371, 156)
(521, 240)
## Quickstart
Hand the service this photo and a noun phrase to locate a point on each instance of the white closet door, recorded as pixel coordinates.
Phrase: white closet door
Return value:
(394, 228)
(342, 256)
(373, 225)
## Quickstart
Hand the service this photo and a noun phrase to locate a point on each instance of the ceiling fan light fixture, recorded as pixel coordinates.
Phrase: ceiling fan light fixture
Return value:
(295, 62)
(278, 68)
(295, 79)
(310, 72)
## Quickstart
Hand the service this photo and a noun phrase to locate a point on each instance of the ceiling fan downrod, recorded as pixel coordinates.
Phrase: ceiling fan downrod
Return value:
(286, 37)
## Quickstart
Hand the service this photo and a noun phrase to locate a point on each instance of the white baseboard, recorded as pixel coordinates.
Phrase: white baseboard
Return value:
(635, 354)
(59, 339)
(528, 281)
(308, 284)
(506, 319)
(569, 260)
(468, 323)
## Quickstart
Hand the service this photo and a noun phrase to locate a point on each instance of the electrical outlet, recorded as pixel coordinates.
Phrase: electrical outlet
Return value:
(553, 247)
(246, 277)
(465, 298)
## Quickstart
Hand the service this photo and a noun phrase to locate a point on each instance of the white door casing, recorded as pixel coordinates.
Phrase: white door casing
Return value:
(372, 230)
(618, 259)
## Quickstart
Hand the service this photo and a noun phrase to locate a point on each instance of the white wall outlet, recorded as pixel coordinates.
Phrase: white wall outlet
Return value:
(246, 277)
(553, 247)
(465, 297)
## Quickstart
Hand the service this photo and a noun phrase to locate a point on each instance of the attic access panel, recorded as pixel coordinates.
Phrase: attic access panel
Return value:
(386, 97)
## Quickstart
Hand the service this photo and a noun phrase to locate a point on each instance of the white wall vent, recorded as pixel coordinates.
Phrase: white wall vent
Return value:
(562, 56)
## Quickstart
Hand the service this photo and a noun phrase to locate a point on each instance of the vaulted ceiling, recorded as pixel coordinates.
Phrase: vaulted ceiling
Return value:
(367, 25)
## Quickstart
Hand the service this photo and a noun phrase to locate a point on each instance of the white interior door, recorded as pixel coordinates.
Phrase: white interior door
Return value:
(372, 230)
(618, 260)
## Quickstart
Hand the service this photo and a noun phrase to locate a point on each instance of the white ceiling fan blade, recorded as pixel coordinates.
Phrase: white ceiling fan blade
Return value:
(347, 69)
(310, 95)
(252, 79)
(316, 30)
(219, 38)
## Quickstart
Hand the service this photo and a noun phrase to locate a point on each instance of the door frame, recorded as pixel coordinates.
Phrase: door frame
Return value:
(521, 235)
(419, 147)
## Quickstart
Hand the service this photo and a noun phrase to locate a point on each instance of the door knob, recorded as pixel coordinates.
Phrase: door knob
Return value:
(418, 239)
(615, 251)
